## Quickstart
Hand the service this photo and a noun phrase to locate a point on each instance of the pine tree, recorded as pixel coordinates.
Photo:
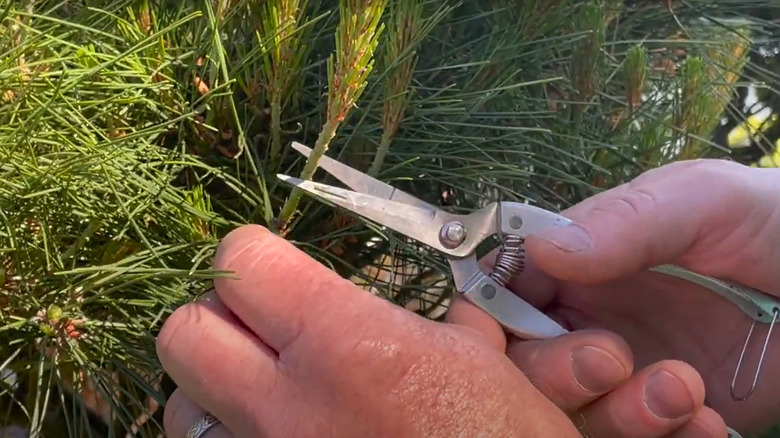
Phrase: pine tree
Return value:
(136, 133)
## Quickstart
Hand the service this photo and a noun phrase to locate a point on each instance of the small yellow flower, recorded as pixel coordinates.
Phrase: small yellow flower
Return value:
(740, 136)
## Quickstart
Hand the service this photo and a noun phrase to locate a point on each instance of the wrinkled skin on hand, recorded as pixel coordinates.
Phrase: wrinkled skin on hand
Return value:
(292, 350)
(713, 217)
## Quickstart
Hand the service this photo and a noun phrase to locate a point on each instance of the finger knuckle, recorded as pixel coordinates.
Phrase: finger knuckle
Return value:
(251, 239)
(631, 200)
(639, 200)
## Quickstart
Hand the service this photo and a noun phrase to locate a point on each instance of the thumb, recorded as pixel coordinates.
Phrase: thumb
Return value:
(714, 217)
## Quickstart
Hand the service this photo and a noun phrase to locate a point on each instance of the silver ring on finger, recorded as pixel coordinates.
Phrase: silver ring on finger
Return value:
(204, 423)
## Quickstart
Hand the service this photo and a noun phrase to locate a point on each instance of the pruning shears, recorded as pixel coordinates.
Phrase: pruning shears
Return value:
(457, 237)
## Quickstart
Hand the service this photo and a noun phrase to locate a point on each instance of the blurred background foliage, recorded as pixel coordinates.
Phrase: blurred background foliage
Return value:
(135, 133)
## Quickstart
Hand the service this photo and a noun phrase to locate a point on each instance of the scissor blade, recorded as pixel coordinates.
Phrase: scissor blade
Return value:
(359, 181)
(419, 223)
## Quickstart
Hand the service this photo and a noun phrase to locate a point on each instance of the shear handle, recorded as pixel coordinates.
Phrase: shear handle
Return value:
(523, 220)
(515, 315)
(758, 305)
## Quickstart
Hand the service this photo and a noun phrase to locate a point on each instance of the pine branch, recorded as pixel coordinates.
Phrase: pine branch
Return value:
(400, 58)
(283, 40)
(348, 70)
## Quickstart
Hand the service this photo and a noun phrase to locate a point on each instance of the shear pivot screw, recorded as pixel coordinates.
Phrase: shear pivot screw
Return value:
(488, 291)
(452, 234)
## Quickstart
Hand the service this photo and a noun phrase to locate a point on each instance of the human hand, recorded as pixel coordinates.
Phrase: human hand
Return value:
(713, 217)
(291, 349)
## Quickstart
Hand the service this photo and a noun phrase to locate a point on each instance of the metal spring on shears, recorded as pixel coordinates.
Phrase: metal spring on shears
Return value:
(510, 260)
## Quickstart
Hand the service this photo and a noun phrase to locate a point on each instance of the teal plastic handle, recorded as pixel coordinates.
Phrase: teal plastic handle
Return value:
(757, 305)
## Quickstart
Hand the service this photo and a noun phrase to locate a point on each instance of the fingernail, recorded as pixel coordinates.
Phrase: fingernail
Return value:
(666, 396)
(596, 370)
(571, 238)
